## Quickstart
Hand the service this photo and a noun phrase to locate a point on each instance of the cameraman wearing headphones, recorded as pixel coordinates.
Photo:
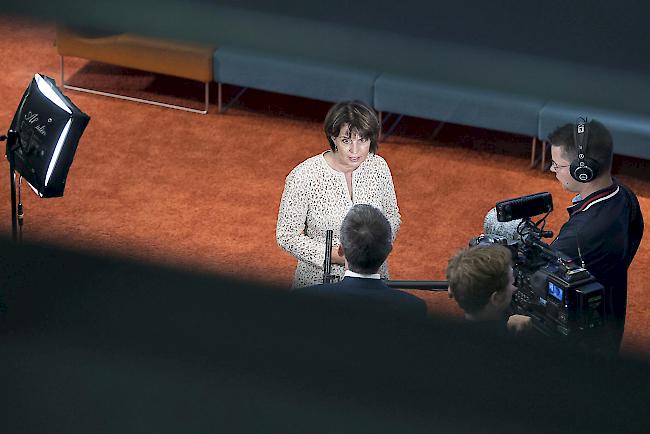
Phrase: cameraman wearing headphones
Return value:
(481, 281)
(605, 224)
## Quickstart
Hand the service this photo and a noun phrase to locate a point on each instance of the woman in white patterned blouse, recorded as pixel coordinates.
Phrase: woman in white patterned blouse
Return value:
(319, 191)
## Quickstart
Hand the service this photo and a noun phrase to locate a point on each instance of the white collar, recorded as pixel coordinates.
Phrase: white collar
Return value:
(362, 276)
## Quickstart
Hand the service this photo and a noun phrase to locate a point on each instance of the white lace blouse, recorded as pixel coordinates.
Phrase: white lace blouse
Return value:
(316, 199)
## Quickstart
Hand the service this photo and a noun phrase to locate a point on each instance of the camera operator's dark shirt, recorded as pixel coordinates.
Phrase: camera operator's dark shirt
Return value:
(498, 326)
(607, 226)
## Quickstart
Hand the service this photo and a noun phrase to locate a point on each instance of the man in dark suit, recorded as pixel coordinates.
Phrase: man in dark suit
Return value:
(366, 242)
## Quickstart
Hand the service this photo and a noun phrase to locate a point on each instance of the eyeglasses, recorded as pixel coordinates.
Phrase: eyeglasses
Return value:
(556, 166)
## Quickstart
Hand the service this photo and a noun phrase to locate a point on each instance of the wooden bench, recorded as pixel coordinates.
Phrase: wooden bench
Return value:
(178, 59)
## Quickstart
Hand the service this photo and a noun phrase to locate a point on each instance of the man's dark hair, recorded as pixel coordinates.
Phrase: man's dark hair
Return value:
(599, 143)
(361, 119)
(475, 273)
(367, 239)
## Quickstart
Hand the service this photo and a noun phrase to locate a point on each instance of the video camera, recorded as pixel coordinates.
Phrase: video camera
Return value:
(560, 296)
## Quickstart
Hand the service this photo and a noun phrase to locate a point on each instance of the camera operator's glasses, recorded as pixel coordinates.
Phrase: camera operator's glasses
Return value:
(556, 166)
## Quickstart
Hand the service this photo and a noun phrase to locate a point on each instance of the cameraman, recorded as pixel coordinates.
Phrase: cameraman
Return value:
(481, 281)
(605, 224)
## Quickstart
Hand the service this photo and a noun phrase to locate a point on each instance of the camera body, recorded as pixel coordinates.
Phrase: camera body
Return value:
(561, 297)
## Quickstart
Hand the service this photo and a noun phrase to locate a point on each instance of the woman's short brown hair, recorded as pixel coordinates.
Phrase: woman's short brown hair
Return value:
(361, 119)
(475, 273)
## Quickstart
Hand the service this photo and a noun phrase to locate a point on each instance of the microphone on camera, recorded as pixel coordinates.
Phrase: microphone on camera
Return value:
(493, 226)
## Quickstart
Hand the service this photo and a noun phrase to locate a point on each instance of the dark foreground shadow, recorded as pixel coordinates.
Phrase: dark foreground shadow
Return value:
(100, 345)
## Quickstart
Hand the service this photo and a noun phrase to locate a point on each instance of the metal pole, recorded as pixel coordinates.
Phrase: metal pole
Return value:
(327, 263)
(11, 144)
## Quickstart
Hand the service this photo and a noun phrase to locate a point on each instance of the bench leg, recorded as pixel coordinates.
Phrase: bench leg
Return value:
(533, 150)
(435, 133)
(134, 99)
(219, 97)
(222, 108)
(62, 76)
(207, 98)
(540, 159)
(392, 126)
(386, 132)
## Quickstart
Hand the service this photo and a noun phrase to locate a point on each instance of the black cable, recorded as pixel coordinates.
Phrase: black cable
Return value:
(543, 221)
(519, 227)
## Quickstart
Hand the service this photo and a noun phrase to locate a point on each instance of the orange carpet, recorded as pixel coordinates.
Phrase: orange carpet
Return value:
(202, 192)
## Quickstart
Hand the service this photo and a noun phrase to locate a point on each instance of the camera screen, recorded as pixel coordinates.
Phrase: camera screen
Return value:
(555, 291)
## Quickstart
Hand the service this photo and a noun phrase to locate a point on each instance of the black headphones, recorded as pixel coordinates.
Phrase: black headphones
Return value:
(583, 168)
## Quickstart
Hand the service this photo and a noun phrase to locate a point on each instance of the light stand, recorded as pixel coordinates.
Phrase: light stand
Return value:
(11, 148)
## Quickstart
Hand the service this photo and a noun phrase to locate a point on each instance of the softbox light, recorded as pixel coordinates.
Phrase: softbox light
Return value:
(48, 127)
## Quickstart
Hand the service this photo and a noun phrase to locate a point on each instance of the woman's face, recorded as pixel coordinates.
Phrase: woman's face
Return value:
(351, 150)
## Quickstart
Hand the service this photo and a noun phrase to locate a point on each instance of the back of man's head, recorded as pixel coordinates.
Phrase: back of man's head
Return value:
(366, 238)
(599, 143)
(475, 273)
